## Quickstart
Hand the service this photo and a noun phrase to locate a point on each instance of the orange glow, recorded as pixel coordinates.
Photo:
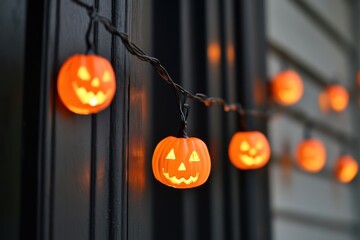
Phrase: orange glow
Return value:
(260, 93)
(346, 168)
(249, 150)
(358, 78)
(285, 161)
(181, 162)
(230, 52)
(338, 97)
(84, 176)
(214, 53)
(86, 83)
(311, 155)
(137, 173)
(324, 102)
(287, 87)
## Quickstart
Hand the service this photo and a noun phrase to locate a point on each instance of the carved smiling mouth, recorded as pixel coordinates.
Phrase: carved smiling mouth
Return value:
(88, 97)
(178, 181)
(248, 160)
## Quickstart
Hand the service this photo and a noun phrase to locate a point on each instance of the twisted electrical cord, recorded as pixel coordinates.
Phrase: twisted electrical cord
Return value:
(160, 69)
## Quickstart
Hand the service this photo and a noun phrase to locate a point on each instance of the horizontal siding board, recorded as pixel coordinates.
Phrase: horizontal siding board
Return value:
(285, 230)
(327, 9)
(306, 219)
(291, 29)
(311, 195)
(325, 26)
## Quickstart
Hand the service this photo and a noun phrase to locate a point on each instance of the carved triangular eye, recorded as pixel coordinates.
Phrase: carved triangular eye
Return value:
(171, 155)
(83, 73)
(106, 76)
(244, 146)
(259, 145)
(194, 157)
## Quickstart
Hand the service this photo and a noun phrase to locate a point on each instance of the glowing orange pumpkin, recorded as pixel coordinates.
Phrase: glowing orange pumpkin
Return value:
(86, 83)
(181, 162)
(311, 155)
(346, 168)
(287, 87)
(338, 97)
(249, 150)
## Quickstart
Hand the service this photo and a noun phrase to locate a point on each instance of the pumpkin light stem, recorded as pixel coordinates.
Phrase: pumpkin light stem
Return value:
(184, 112)
(89, 43)
(182, 131)
(184, 115)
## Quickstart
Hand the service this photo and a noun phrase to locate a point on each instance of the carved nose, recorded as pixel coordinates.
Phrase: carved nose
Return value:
(252, 151)
(182, 167)
(95, 82)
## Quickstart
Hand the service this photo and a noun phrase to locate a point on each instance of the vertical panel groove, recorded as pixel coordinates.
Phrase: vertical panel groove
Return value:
(118, 192)
(228, 211)
(126, 162)
(53, 118)
(93, 167)
(43, 105)
(125, 131)
(112, 190)
(93, 150)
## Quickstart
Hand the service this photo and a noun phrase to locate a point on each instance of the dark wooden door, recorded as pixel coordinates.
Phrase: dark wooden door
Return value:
(89, 177)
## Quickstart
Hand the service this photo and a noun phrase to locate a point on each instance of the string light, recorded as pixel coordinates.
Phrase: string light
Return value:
(171, 163)
(177, 168)
(160, 69)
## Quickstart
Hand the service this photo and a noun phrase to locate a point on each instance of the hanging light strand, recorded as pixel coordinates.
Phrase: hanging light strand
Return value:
(160, 69)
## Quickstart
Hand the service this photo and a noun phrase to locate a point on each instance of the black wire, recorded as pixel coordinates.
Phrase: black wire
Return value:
(89, 42)
(160, 69)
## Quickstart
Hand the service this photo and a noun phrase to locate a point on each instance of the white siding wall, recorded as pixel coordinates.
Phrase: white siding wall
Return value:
(311, 206)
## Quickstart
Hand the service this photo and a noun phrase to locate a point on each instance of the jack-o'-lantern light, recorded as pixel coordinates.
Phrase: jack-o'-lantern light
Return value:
(249, 150)
(287, 88)
(182, 162)
(311, 155)
(337, 97)
(86, 83)
(346, 168)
